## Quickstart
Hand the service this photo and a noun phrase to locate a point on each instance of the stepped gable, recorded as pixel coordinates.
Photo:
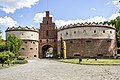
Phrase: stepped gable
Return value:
(86, 24)
(19, 28)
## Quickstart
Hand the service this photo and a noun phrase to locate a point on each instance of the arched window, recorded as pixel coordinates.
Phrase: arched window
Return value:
(47, 22)
(47, 33)
(74, 32)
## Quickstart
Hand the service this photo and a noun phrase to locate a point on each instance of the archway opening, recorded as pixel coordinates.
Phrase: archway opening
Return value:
(47, 51)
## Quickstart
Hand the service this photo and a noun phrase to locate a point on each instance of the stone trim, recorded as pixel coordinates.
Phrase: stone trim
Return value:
(30, 40)
(21, 30)
(86, 26)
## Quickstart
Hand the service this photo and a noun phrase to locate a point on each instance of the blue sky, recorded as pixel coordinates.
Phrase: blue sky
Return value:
(30, 12)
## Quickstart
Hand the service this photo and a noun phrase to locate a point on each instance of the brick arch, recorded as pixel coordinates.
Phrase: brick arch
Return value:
(44, 49)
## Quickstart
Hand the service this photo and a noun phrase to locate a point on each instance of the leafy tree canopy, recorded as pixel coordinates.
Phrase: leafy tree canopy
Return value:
(116, 23)
(13, 43)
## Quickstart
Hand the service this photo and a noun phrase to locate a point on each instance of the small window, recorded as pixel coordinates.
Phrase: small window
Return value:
(109, 41)
(54, 40)
(110, 32)
(25, 42)
(33, 42)
(66, 33)
(31, 48)
(61, 34)
(47, 22)
(71, 41)
(35, 55)
(22, 34)
(100, 55)
(40, 40)
(103, 31)
(94, 31)
(47, 33)
(88, 41)
(47, 40)
(74, 32)
(84, 31)
(36, 48)
(22, 48)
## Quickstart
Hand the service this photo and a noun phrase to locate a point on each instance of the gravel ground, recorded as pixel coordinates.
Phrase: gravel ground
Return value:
(43, 69)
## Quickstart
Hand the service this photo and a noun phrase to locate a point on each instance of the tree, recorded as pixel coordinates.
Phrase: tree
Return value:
(13, 44)
(116, 23)
(0, 37)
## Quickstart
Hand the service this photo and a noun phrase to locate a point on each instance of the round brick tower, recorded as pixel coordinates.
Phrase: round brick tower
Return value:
(30, 37)
(88, 40)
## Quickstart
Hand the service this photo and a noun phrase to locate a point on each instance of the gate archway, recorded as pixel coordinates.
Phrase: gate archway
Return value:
(47, 51)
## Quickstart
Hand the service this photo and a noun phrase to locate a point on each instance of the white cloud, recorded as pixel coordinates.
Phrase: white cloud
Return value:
(9, 6)
(39, 17)
(7, 21)
(93, 9)
(114, 16)
(95, 19)
(21, 16)
(116, 3)
(108, 3)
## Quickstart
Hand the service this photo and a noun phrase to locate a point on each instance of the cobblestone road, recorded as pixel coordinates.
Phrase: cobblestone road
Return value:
(44, 69)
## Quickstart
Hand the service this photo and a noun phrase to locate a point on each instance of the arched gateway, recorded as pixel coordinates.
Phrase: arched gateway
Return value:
(47, 36)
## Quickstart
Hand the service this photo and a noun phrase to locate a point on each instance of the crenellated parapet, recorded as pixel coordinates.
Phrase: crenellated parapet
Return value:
(86, 24)
(19, 28)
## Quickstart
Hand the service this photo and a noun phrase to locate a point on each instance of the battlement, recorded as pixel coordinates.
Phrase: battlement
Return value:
(86, 24)
(19, 28)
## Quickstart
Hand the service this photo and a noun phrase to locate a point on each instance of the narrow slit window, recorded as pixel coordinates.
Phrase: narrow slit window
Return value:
(47, 32)
(103, 31)
(74, 32)
(110, 32)
(94, 31)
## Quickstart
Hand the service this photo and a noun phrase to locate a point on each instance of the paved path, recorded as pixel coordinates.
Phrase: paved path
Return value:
(44, 69)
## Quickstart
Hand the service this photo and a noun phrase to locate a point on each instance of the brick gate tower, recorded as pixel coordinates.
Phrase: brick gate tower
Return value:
(47, 35)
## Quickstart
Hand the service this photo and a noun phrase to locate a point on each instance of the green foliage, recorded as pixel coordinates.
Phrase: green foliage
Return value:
(21, 58)
(21, 61)
(6, 57)
(116, 22)
(55, 55)
(3, 47)
(92, 61)
(13, 43)
(0, 37)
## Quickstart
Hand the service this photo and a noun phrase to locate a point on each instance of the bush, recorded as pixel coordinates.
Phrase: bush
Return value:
(21, 58)
(21, 61)
(55, 55)
(5, 56)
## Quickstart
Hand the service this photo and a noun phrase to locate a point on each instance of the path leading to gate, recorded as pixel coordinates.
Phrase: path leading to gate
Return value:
(43, 69)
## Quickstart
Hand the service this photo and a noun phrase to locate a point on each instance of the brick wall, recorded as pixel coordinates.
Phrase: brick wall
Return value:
(90, 47)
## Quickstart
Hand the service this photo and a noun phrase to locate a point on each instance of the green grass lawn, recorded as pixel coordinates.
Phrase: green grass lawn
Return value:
(92, 61)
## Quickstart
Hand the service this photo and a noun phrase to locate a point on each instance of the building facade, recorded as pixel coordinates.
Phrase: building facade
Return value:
(85, 40)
